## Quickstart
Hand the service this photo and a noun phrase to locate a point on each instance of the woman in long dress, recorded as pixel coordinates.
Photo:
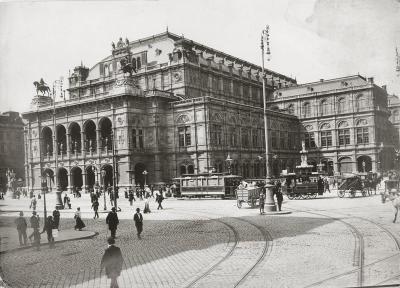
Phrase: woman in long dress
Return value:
(78, 220)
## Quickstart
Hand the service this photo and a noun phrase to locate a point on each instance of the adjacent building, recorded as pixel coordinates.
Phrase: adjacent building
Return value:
(345, 122)
(154, 109)
(11, 147)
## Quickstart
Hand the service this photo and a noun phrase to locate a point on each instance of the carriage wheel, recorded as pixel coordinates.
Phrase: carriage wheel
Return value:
(290, 196)
(341, 193)
(314, 195)
(364, 193)
(308, 196)
(297, 196)
(352, 193)
(303, 196)
(239, 204)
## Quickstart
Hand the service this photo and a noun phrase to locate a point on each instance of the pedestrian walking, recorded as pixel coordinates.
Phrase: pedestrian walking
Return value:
(69, 203)
(21, 228)
(138, 218)
(131, 197)
(33, 203)
(56, 219)
(147, 205)
(65, 200)
(320, 185)
(112, 262)
(112, 221)
(262, 202)
(78, 220)
(326, 185)
(95, 207)
(279, 198)
(159, 200)
(35, 224)
(48, 228)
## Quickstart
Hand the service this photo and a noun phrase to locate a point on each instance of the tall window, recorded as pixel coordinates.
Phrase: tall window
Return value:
(232, 137)
(344, 137)
(216, 134)
(395, 116)
(361, 102)
(137, 138)
(255, 137)
(343, 134)
(362, 132)
(309, 140)
(184, 136)
(273, 139)
(341, 108)
(326, 138)
(290, 109)
(362, 135)
(245, 137)
(323, 107)
(306, 109)
(282, 139)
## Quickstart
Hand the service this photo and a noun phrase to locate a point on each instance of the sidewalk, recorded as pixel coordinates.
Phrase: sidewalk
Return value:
(9, 238)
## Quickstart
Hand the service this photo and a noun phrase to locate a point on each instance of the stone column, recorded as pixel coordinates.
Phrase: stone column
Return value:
(269, 198)
(68, 145)
(84, 181)
(83, 146)
(69, 188)
(98, 140)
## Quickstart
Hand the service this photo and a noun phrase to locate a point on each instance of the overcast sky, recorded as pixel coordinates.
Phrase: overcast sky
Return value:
(310, 39)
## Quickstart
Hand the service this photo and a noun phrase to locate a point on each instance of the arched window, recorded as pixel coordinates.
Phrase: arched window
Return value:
(106, 70)
(190, 169)
(341, 105)
(323, 107)
(362, 132)
(361, 102)
(290, 109)
(138, 63)
(306, 109)
(326, 135)
(395, 116)
(343, 133)
(183, 169)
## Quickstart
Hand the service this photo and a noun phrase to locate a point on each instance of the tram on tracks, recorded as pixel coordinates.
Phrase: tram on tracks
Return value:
(214, 185)
(303, 184)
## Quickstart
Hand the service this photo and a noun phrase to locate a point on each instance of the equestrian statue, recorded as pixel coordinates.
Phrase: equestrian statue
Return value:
(42, 87)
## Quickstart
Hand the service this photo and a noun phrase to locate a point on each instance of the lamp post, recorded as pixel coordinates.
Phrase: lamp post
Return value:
(103, 175)
(229, 161)
(269, 194)
(44, 191)
(145, 174)
(380, 150)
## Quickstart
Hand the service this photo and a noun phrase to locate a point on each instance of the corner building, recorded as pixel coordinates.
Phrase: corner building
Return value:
(345, 123)
(183, 108)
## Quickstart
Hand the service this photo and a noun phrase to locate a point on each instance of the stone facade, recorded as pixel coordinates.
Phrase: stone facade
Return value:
(345, 123)
(11, 146)
(170, 106)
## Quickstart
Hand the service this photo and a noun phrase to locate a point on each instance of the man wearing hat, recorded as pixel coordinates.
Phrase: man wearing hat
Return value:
(112, 221)
(112, 262)
(35, 234)
(21, 227)
(138, 218)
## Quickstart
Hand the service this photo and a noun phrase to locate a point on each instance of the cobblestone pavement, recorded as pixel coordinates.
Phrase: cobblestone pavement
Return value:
(324, 242)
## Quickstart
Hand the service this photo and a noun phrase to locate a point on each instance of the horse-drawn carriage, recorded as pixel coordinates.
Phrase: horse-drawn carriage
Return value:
(353, 185)
(249, 195)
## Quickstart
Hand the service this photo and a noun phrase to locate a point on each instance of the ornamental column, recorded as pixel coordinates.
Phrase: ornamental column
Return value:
(83, 146)
(98, 141)
(68, 145)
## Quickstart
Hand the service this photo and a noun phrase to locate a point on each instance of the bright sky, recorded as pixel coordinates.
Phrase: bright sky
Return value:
(310, 39)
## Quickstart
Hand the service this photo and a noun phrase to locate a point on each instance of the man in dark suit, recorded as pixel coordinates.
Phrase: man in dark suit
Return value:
(112, 261)
(138, 218)
(112, 221)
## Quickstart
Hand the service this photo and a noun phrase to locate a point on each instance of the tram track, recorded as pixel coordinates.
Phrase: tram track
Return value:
(266, 250)
(359, 248)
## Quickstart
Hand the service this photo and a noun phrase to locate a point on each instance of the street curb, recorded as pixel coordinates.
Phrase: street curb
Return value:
(44, 244)
(277, 213)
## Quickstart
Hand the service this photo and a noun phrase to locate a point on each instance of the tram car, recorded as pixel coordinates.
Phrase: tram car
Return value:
(216, 185)
(301, 185)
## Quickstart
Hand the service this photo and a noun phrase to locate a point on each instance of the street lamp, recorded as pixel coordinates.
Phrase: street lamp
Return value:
(145, 174)
(229, 161)
(44, 191)
(103, 175)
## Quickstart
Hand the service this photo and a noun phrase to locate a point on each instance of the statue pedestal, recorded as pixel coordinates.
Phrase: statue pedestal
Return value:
(269, 198)
(59, 203)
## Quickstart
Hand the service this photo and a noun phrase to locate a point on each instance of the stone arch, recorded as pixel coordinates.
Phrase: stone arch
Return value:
(361, 122)
(76, 178)
(105, 127)
(325, 126)
(90, 176)
(47, 141)
(107, 178)
(62, 178)
(343, 124)
(139, 176)
(74, 130)
(364, 163)
(61, 133)
(89, 127)
(345, 165)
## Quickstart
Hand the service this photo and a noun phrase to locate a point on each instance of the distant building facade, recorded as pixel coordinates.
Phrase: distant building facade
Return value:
(345, 123)
(163, 106)
(11, 146)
